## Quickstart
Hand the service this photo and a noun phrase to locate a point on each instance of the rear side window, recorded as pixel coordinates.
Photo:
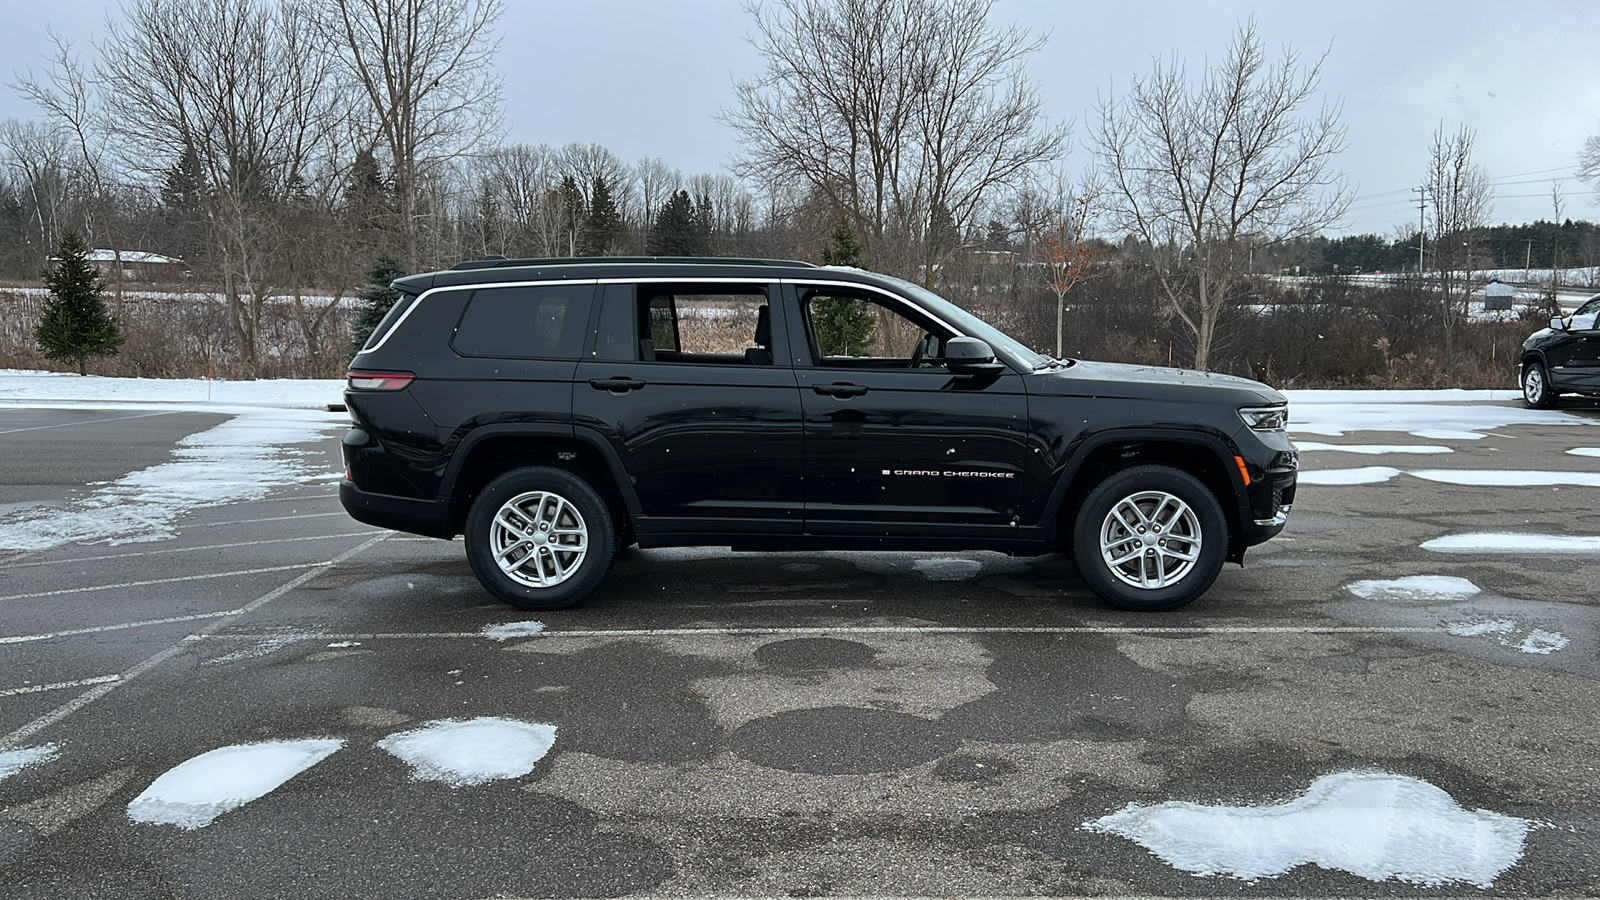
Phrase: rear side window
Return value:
(390, 318)
(544, 322)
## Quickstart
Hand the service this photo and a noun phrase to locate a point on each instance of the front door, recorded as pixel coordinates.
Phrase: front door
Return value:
(684, 383)
(891, 435)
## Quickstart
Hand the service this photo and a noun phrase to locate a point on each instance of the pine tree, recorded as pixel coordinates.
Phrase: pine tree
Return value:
(573, 212)
(674, 232)
(75, 324)
(376, 299)
(603, 226)
(843, 324)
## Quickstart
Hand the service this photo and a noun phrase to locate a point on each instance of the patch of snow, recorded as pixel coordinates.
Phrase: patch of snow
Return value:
(34, 389)
(1418, 413)
(951, 569)
(1507, 542)
(1370, 449)
(1363, 475)
(1371, 824)
(1505, 478)
(343, 644)
(1478, 629)
(509, 630)
(1584, 451)
(472, 751)
(193, 793)
(239, 460)
(1415, 587)
(1543, 642)
(14, 761)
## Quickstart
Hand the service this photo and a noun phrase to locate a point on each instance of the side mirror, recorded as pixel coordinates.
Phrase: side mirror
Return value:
(971, 356)
(1557, 323)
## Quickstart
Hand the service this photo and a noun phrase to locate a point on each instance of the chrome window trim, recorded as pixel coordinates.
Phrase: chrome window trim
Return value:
(469, 287)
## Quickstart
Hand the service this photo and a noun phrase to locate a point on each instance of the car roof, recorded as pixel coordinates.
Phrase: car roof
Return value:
(498, 269)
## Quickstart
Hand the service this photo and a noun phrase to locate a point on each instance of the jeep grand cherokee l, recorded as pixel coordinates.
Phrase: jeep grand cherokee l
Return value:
(554, 410)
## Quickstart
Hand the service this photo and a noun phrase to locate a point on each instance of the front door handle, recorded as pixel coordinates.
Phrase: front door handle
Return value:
(841, 390)
(616, 385)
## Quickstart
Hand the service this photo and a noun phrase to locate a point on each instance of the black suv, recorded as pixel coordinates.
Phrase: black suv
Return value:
(554, 410)
(1562, 358)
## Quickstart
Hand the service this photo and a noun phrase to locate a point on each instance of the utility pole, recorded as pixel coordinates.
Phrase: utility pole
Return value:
(1422, 224)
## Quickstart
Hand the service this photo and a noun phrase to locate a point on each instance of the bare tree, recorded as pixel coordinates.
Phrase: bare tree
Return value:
(426, 69)
(38, 160)
(905, 114)
(1063, 245)
(1201, 170)
(241, 88)
(1460, 197)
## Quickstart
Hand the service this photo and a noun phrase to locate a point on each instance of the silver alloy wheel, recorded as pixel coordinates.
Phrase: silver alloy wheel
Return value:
(538, 539)
(1533, 385)
(1150, 540)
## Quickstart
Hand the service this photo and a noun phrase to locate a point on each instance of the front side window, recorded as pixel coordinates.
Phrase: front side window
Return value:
(856, 330)
(534, 322)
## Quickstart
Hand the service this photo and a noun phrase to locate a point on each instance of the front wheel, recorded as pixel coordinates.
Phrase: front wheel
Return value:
(540, 538)
(1150, 538)
(1536, 390)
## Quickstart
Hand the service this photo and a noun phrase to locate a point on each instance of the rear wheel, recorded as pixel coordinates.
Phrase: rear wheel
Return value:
(1536, 390)
(540, 538)
(1150, 538)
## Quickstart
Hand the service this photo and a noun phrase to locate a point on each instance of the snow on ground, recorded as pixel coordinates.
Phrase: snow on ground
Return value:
(467, 752)
(241, 459)
(1371, 824)
(1505, 478)
(1341, 412)
(1505, 632)
(509, 630)
(1510, 542)
(14, 761)
(193, 793)
(1415, 587)
(948, 569)
(1369, 449)
(1585, 451)
(1363, 475)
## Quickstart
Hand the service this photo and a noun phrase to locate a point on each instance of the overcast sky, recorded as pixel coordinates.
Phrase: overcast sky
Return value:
(646, 78)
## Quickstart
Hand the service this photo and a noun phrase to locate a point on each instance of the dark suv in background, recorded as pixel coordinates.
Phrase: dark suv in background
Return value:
(1563, 358)
(554, 410)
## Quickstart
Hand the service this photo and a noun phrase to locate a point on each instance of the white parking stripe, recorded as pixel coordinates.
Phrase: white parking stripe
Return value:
(275, 519)
(60, 685)
(82, 559)
(865, 629)
(100, 690)
(174, 580)
(87, 422)
(121, 626)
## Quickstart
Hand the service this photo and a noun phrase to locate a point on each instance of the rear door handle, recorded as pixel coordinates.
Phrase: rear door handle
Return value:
(842, 390)
(617, 385)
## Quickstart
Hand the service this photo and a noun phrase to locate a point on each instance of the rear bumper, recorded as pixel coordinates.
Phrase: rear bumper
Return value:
(430, 518)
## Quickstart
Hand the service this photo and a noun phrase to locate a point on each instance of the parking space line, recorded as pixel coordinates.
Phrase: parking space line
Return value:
(844, 629)
(276, 519)
(89, 422)
(81, 559)
(59, 686)
(121, 626)
(173, 580)
(100, 690)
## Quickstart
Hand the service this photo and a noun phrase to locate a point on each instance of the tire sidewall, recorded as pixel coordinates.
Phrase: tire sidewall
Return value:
(575, 490)
(1547, 397)
(1099, 503)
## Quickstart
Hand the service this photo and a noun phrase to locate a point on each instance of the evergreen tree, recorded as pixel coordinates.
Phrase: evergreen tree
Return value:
(573, 213)
(843, 324)
(376, 299)
(675, 232)
(603, 226)
(75, 324)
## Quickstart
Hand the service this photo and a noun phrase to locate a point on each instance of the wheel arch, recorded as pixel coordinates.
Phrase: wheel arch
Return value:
(489, 450)
(1107, 453)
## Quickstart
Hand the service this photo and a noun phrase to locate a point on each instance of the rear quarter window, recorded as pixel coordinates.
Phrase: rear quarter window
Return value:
(544, 322)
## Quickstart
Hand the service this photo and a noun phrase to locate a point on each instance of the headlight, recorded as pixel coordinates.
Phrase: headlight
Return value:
(1265, 418)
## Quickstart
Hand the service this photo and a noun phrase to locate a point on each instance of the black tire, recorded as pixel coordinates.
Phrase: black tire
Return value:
(567, 506)
(1537, 392)
(1171, 581)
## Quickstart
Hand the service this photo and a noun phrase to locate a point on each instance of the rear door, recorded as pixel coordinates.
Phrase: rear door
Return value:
(685, 383)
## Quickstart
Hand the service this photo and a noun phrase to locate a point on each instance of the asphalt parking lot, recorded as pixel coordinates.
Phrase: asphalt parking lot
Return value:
(803, 724)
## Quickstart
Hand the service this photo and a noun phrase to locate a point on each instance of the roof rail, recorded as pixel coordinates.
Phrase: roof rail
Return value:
(500, 262)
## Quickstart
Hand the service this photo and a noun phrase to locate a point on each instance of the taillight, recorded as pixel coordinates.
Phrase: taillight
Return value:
(379, 381)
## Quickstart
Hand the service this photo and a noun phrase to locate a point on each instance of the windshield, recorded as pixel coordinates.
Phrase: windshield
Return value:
(1001, 343)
